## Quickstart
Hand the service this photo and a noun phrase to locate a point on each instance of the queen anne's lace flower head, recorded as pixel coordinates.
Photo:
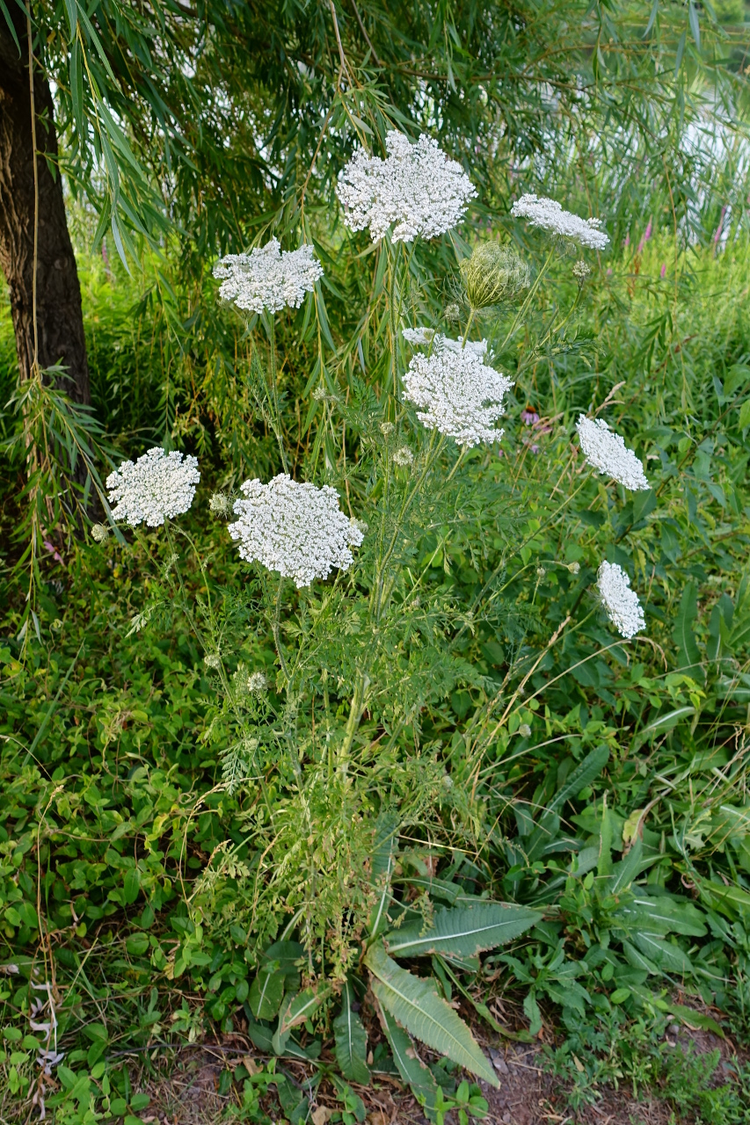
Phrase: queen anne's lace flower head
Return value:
(607, 452)
(549, 215)
(455, 391)
(621, 603)
(157, 487)
(268, 277)
(417, 190)
(295, 529)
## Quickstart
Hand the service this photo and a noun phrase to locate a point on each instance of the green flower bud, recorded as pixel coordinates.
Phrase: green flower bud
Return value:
(492, 274)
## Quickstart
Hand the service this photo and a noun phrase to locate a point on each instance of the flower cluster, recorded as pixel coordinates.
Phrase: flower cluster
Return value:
(157, 487)
(295, 529)
(428, 337)
(454, 389)
(621, 603)
(268, 278)
(549, 215)
(607, 452)
(417, 190)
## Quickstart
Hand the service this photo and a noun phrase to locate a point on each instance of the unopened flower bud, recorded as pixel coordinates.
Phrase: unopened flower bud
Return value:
(99, 532)
(581, 270)
(524, 730)
(540, 572)
(212, 660)
(257, 683)
(574, 567)
(386, 428)
(492, 274)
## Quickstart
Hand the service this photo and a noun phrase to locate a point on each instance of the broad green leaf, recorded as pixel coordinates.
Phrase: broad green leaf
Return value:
(584, 773)
(734, 897)
(415, 1004)
(660, 726)
(663, 953)
(462, 931)
(662, 916)
(300, 1007)
(696, 1019)
(684, 637)
(351, 1040)
(744, 420)
(637, 959)
(624, 872)
(415, 1073)
(266, 993)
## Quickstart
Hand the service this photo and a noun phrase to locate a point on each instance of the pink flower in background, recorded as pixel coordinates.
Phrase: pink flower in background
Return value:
(663, 273)
(627, 240)
(529, 417)
(644, 240)
(52, 550)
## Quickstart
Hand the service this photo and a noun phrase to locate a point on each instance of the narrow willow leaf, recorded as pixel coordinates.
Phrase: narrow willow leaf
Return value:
(351, 1040)
(463, 931)
(412, 1071)
(415, 1004)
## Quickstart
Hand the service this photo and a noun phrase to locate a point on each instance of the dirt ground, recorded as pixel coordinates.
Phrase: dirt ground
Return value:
(528, 1095)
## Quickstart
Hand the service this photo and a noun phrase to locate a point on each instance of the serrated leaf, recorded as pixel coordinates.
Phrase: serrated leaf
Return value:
(463, 931)
(351, 1040)
(412, 1071)
(416, 1006)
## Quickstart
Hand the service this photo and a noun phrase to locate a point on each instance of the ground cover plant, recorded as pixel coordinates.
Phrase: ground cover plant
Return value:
(343, 714)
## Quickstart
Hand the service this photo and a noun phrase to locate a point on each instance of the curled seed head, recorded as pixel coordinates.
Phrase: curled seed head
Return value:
(492, 274)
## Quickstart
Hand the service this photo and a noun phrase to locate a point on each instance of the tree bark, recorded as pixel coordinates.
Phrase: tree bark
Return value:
(59, 316)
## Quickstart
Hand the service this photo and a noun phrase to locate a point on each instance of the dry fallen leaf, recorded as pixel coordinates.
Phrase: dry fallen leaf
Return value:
(321, 1115)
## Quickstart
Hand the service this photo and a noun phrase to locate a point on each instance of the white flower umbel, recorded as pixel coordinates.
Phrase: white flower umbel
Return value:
(426, 337)
(295, 529)
(549, 215)
(621, 603)
(157, 487)
(268, 277)
(416, 190)
(456, 392)
(607, 452)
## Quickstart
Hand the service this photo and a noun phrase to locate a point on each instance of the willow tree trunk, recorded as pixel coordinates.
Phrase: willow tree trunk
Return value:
(59, 318)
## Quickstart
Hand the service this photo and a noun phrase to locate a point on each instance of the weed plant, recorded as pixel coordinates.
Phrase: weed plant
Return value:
(449, 725)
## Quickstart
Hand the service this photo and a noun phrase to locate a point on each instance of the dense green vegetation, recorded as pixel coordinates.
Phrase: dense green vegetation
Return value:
(346, 819)
(133, 871)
